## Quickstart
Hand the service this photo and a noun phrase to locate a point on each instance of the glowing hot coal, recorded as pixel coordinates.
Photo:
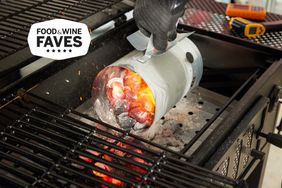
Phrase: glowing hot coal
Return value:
(102, 166)
(111, 170)
(135, 95)
(121, 97)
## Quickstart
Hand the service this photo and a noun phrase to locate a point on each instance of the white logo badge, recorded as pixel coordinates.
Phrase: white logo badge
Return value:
(59, 39)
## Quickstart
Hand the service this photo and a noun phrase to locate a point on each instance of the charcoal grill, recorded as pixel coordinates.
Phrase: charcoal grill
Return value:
(17, 17)
(43, 145)
(46, 141)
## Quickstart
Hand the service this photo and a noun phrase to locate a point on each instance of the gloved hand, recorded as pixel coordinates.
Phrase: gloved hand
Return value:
(159, 17)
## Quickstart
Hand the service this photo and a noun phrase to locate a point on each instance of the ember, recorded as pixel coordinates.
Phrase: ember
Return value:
(108, 168)
(103, 167)
(105, 177)
(127, 97)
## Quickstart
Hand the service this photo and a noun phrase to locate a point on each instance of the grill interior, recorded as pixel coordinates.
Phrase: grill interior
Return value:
(208, 15)
(46, 145)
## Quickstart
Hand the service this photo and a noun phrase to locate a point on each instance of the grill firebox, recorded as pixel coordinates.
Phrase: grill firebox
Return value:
(46, 145)
(47, 140)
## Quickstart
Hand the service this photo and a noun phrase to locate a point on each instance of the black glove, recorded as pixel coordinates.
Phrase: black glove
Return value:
(159, 17)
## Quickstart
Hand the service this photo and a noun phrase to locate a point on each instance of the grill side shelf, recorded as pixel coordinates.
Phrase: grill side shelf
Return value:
(208, 17)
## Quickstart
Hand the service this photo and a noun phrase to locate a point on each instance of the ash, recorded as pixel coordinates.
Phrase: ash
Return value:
(182, 122)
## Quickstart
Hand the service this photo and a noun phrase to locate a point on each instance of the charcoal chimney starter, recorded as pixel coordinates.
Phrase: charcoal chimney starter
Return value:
(168, 78)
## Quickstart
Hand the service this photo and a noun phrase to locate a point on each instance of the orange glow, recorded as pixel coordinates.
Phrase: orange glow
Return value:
(109, 169)
(105, 177)
(86, 159)
(139, 87)
(112, 181)
(140, 99)
(102, 166)
(92, 152)
(127, 97)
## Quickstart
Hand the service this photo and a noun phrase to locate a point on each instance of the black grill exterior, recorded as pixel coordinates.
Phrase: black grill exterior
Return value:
(45, 145)
(16, 17)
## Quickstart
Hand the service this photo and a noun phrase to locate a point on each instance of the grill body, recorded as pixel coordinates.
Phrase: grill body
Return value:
(42, 136)
(17, 17)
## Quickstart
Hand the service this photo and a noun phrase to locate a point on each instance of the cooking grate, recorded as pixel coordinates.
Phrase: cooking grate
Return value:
(209, 16)
(16, 17)
(43, 146)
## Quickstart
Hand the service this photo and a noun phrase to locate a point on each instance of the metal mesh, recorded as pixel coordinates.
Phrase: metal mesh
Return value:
(44, 145)
(210, 16)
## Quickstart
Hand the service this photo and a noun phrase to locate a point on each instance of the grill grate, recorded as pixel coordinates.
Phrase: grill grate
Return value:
(16, 17)
(44, 145)
(208, 15)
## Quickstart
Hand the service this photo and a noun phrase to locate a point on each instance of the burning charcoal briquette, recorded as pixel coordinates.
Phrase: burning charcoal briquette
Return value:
(125, 121)
(125, 97)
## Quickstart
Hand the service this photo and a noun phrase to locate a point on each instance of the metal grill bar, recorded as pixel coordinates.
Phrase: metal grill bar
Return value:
(48, 146)
(15, 7)
(16, 18)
